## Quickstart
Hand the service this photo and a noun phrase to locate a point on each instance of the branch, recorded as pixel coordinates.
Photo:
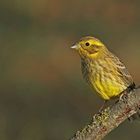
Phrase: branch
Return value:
(111, 117)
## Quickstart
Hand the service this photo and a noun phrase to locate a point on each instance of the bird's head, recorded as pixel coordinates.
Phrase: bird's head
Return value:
(89, 47)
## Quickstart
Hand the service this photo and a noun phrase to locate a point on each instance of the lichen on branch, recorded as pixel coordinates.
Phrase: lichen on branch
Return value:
(111, 117)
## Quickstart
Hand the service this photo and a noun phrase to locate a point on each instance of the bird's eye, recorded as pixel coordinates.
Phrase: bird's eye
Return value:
(87, 44)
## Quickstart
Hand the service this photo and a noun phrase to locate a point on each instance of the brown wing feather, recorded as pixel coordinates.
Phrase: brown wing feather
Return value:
(121, 69)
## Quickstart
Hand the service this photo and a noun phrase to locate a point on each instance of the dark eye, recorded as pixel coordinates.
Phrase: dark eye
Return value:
(87, 44)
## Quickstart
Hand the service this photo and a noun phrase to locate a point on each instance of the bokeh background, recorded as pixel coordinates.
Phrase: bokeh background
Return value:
(42, 93)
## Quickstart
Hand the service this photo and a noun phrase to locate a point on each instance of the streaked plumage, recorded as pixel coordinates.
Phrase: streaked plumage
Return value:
(102, 70)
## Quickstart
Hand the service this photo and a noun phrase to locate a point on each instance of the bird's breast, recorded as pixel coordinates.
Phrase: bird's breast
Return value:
(103, 79)
(89, 70)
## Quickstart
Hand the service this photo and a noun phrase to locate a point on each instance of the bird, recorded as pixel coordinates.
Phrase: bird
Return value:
(102, 70)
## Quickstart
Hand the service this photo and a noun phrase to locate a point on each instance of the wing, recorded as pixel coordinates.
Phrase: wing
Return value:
(121, 69)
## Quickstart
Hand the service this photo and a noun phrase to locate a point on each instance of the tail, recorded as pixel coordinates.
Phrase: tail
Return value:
(136, 116)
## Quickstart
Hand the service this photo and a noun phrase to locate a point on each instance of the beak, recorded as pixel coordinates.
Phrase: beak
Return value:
(75, 47)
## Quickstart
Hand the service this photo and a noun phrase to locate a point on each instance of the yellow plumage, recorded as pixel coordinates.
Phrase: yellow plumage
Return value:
(102, 70)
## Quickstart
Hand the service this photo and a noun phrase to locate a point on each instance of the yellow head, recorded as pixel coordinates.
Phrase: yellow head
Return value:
(90, 47)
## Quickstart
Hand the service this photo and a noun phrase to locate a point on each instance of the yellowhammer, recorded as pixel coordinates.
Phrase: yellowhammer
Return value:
(102, 70)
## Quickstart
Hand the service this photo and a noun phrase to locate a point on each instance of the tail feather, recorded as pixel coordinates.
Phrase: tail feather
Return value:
(134, 117)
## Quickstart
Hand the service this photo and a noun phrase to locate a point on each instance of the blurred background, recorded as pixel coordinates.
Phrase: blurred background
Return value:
(42, 93)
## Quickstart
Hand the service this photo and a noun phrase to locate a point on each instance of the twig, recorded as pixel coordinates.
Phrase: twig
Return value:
(110, 118)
